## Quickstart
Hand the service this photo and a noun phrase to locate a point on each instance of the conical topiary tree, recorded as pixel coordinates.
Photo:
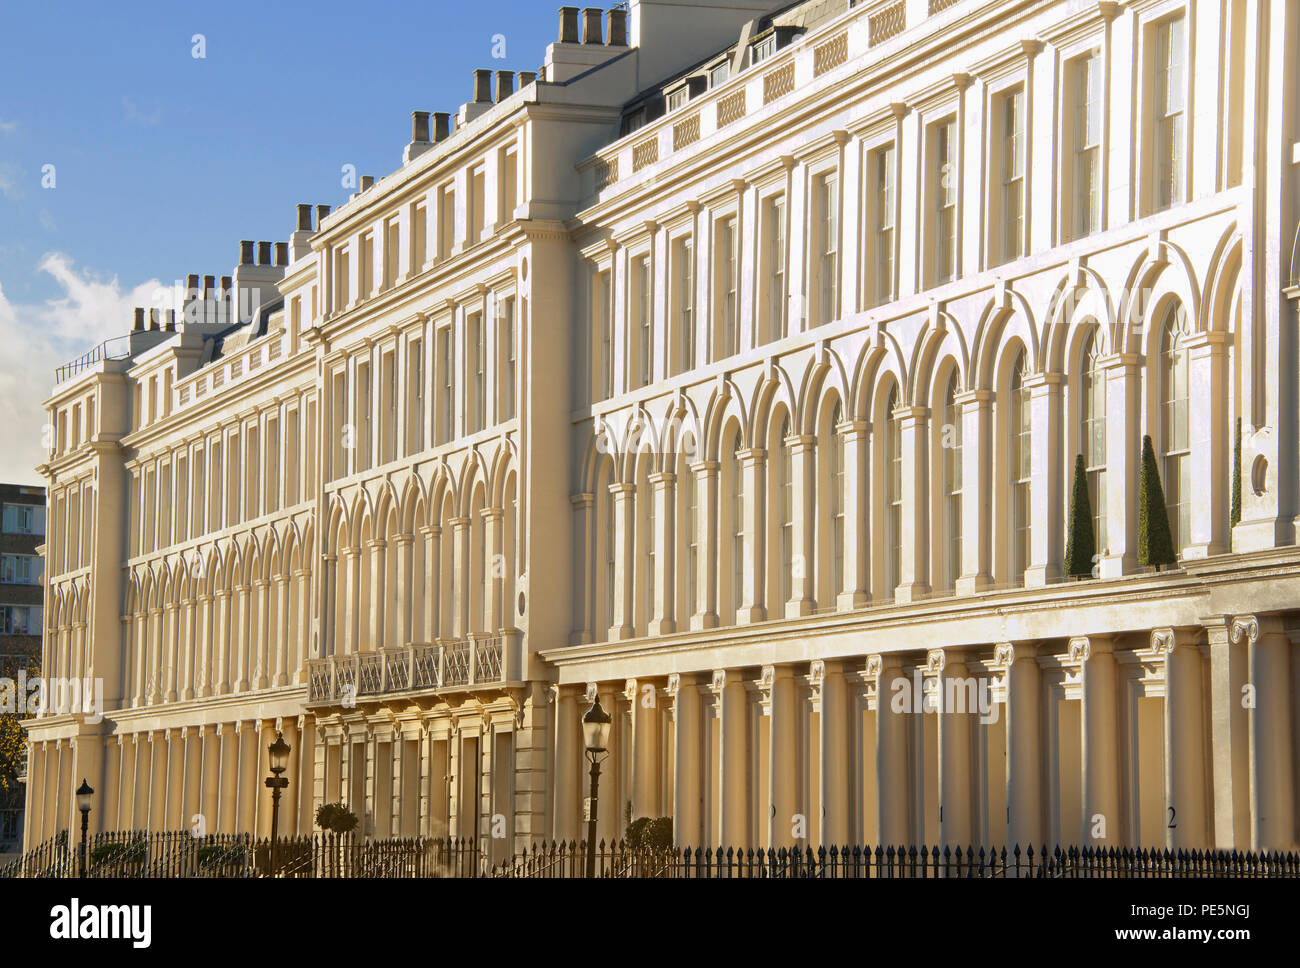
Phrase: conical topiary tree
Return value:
(1236, 476)
(1080, 545)
(1155, 543)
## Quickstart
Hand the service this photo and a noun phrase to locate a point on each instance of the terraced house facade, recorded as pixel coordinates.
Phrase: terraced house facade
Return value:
(731, 369)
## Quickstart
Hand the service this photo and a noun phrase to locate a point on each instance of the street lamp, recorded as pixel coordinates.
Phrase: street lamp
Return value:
(279, 751)
(84, 793)
(595, 736)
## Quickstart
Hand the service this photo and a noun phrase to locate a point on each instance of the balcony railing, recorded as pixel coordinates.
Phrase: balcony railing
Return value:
(420, 666)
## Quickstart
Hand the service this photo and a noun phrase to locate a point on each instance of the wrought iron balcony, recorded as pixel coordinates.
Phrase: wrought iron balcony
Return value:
(418, 667)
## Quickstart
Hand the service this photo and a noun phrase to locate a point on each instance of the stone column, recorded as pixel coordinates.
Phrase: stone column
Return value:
(1024, 729)
(976, 494)
(706, 579)
(1123, 464)
(1208, 381)
(261, 794)
(913, 577)
(1046, 500)
(782, 711)
(405, 570)
(283, 659)
(623, 507)
(1272, 783)
(753, 465)
(956, 802)
(893, 775)
(569, 762)
(241, 636)
(1100, 736)
(222, 674)
(88, 764)
(378, 604)
(1229, 734)
(175, 792)
(112, 773)
(330, 641)
(645, 747)
(857, 574)
(687, 795)
(192, 740)
(733, 802)
(836, 766)
(661, 493)
(1186, 782)
(158, 779)
(210, 795)
(247, 737)
(171, 658)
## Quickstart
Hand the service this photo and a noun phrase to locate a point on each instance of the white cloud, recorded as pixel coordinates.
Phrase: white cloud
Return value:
(37, 338)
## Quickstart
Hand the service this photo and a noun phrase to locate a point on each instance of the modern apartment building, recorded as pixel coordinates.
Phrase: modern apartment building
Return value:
(731, 369)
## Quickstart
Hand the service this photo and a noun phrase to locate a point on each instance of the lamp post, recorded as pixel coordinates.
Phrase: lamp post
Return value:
(279, 751)
(595, 736)
(84, 793)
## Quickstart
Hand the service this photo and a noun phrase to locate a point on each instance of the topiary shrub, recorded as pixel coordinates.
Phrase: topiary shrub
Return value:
(1236, 476)
(335, 817)
(1080, 546)
(1155, 543)
(650, 832)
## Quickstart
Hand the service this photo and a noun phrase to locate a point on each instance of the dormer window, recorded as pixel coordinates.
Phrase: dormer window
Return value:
(761, 50)
(634, 119)
(719, 74)
(678, 98)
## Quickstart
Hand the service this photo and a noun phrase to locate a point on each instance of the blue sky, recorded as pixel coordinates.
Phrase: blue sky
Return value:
(164, 161)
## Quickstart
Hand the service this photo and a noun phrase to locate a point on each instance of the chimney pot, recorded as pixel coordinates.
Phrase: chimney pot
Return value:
(591, 25)
(441, 125)
(192, 282)
(153, 319)
(367, 182)
(264, 253)
(137, 324)
(321, 212)
(169, 324)
(304, 218)
(505, 85)
(526, 78)
(568, 25)
(420, 127)
(226, 285)
(618, 28)
(482, 86)
(209, 283)
(245, 253)
(282, 253)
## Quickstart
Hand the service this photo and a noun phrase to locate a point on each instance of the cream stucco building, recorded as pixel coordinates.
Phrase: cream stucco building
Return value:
(732, 368)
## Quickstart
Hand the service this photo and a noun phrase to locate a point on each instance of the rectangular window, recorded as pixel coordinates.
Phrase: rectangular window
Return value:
(775, 223)
(684, 276)
(20, 619)
(644, 320)
(828, 263)
(719, 75)
(446, 386)
(341, 270)
(446, 222)
(678, 98)
(509, 176)
(217, 475)
(272, 477)
(21, 569)
(392, 252)
(1170, 105)
(1013, 175)
(24, 519)
(415, 396)
(944, 193)
(366, 267)
(763, 49)
(728, 286)
(476, 214)
(475, 364)
(506, 353)
(604, 327)
(885, 204)
(1087, 146)
(419, 237)
(364, 429)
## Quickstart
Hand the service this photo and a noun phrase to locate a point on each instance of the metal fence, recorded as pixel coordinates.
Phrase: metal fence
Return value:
(133, 854)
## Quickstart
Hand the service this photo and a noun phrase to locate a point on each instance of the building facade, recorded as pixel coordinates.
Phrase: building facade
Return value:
(22, 535)
(732, 369)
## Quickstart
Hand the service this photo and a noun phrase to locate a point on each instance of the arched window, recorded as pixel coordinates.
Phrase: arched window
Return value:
(609, 558)
(893, 495)
(1021, 461)
(837, 503)
(950, 442)
(646, 494)
(688, 516)
(738, 532)
(785, 495)
(1175, 471)
(1092, 435)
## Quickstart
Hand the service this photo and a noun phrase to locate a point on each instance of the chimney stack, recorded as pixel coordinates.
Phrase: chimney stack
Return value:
(153, 320)
(264, 253)
(191, 285)
(282, 253)
(210, 282)
(618, 28)
(441, 126)
(568, 25)
(169, 325)
(137, 325)
(591, 25)
(225, 287)
(482, 87)
(321, 212)
(526, 78)
(367, 182)
(304, 218)
(245, 253)
(505, 85)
